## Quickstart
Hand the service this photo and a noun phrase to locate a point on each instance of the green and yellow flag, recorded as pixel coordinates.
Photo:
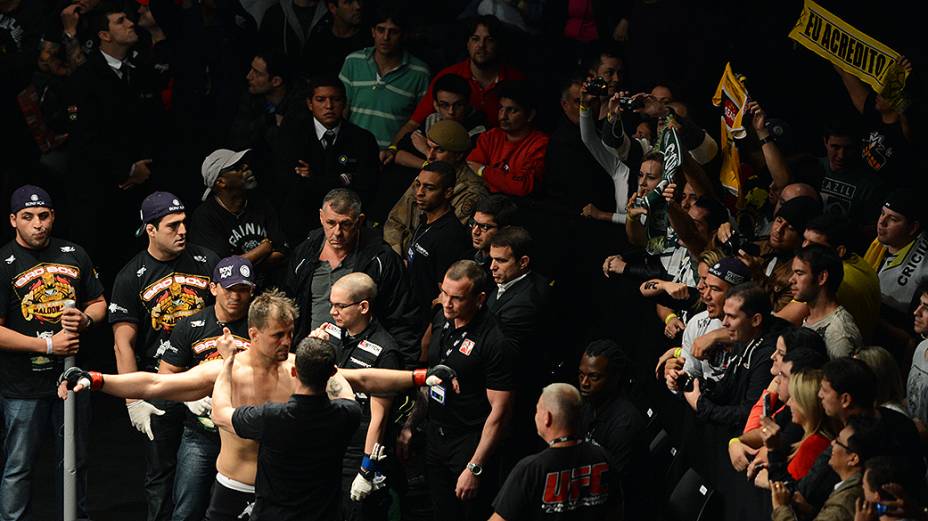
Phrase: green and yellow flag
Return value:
(830, 37)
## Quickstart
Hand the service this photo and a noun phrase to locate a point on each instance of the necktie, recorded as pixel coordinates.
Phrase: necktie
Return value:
(328, 139)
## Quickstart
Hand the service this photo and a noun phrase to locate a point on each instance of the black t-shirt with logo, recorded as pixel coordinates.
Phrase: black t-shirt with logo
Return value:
(300, 448)
(482, 357)
(885, 150)
(573, 482)
(856, 194)
(34, 285)
(155, 295)
(193, 342)
(432, 249)
(228, 234)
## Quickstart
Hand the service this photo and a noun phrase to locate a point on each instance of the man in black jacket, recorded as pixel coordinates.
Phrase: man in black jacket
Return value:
(323, 153)
(113, 115)
(343, 245)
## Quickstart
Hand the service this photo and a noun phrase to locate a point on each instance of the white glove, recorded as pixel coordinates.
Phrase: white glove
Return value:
(140, 416)
(362, 486)
(201, 407)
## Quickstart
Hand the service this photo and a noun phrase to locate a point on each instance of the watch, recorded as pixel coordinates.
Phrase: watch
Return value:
(475, 468)
(768, 139)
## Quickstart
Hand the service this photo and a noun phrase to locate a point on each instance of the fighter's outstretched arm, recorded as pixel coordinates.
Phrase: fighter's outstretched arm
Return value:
(189, 385)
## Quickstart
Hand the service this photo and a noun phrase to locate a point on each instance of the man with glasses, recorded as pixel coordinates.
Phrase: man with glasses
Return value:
(233, 220)
(447, 141)
(490, 215)
(344, 245)
(360, 341)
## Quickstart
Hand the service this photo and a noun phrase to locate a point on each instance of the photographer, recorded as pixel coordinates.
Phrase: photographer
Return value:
(775, 255)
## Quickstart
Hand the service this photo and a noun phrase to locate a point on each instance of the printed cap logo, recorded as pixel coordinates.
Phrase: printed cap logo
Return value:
(34, 197)
(244, 271)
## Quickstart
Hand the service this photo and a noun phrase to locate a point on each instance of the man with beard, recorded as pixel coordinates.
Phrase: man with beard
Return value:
(511, 158)
(38, 329)
(233, 220)
(483, 69)
(193, 342)
(438, 240)
(166, 282)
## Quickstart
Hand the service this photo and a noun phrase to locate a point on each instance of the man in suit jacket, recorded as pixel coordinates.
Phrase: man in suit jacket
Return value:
(113, 112)
(520, 301)
(331, 153)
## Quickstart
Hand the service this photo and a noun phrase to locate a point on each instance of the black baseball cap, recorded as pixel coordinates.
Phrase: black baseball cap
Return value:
(731, 270)
(907, 202)
(30, 196)
(232, 271)
(156, 206)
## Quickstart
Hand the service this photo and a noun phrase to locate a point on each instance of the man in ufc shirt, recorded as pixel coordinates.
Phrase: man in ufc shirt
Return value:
(192, 343)
(360, 341)
(570, 479)
(166, 282)
(39, 275)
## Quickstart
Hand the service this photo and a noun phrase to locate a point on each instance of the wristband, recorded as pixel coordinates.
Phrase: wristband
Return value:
(48, 345)
(677, 352)
(392, 147)
(768, 139)
(418, 377)
(480, 170)
(734, 440)
(424, 164)
(670, 317)
(96, 380)
(367, 464)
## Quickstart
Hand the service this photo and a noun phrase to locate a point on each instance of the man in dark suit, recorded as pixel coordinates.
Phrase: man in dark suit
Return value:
(113, 113)
(326, 152)
(520, 301)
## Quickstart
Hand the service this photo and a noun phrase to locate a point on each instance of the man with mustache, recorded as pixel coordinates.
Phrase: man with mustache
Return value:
(167, 281)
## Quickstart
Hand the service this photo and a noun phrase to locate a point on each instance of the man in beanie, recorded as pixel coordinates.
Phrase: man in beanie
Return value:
(162, 284)
(234, 220)
(192, 343)
(776, 254)
(447, 141)
(49, 295)
(898, 253)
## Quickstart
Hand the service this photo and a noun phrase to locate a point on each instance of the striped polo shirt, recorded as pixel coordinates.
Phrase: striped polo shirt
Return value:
(382, 104)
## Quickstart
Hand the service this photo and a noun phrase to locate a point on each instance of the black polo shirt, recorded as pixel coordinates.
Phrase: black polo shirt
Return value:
(432, 249)
(483, 359)
(234, 234)
(300, 448)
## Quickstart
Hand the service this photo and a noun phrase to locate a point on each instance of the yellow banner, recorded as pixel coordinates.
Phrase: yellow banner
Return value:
(830, 37)
(732, 96)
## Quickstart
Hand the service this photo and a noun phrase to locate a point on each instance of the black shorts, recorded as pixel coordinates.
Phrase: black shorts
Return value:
(226, 504)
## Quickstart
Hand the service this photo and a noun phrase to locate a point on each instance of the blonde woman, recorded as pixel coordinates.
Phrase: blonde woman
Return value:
(817, 432)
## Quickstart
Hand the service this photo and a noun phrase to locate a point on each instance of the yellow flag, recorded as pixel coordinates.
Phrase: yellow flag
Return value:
(732, 96)
(830, 37)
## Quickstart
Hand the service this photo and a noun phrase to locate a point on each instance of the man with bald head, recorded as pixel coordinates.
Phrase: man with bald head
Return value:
(360, 341)
(571, 477)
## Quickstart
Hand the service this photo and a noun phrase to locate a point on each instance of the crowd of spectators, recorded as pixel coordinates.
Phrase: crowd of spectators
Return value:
(483, 189)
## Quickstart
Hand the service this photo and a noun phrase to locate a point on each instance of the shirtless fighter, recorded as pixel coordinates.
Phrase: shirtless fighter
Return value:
(262, 373)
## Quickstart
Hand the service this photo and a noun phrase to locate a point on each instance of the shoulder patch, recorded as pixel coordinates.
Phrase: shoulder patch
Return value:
(370, 347)
(10, 260)
(114, 308)
(141, 271)
(68, 249)
(199, 258)
(197, 323)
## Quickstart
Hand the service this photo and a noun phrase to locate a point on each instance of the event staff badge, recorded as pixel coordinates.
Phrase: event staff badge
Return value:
(437, 392)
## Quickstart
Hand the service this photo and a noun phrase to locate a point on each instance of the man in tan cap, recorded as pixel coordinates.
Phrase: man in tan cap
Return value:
(447, 141)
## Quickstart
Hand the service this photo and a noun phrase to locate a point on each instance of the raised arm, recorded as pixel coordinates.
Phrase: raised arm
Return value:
(141, 385)
(773, 156)
(383, 381)
(222, 390)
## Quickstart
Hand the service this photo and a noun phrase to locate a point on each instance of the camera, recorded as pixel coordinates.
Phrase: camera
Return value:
(685, 382)
(628, 103)
(739, 242)
(596, 87)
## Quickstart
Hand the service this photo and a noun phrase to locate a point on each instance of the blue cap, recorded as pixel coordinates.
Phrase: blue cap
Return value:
(156, 206)
(731, 270)
(232, 271)
(29, 196)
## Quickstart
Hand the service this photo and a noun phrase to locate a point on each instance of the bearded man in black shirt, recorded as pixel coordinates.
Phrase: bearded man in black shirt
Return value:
(39, 275)
(571, 479)
(166, 282)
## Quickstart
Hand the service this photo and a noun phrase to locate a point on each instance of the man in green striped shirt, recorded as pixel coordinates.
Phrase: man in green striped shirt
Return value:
(384, 83)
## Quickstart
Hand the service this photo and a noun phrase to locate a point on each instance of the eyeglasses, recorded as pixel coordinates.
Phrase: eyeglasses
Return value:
(483, 226)
(340, 307)
(843, 446)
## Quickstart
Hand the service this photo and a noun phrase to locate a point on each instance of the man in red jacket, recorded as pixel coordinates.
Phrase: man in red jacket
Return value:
(511, 158)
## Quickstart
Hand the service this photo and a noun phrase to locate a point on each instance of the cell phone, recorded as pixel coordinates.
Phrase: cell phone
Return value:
(767, 404)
